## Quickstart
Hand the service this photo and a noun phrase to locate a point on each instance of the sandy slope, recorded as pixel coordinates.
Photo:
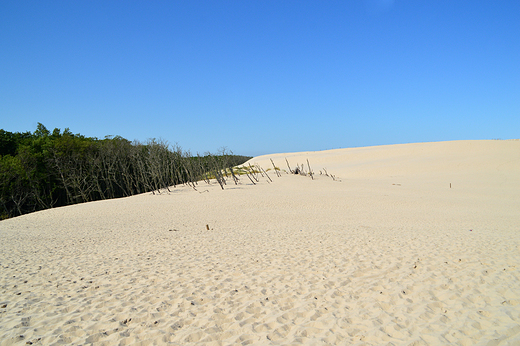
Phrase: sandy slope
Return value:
(385, 254)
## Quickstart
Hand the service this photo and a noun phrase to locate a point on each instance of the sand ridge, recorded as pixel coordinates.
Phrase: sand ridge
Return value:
(377, 257)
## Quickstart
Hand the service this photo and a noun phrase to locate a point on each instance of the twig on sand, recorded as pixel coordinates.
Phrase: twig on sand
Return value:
(325, 172)
(288, 166)
(235, 178)
(266, 174)
(277, 173)
(253, 173)
(247, 173)
(219, 178)
(310, 170)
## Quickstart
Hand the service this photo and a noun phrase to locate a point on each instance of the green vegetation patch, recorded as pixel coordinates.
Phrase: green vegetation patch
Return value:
(44, 169)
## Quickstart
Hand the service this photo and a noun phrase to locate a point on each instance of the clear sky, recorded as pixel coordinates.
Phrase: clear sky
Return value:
(262, 77)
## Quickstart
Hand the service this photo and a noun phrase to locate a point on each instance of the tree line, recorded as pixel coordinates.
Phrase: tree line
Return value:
(45, 169)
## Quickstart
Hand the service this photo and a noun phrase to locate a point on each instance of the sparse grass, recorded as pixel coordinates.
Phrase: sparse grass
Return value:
(238, 170)
(253, 173)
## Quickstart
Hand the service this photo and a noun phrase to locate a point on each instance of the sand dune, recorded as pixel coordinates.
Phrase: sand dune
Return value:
(387, 253)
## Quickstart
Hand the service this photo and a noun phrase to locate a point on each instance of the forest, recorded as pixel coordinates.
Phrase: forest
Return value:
(45, 169)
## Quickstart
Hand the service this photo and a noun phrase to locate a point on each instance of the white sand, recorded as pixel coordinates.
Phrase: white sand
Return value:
(386, 254)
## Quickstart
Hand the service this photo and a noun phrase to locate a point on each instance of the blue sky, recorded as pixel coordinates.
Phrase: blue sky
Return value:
(262, 77)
